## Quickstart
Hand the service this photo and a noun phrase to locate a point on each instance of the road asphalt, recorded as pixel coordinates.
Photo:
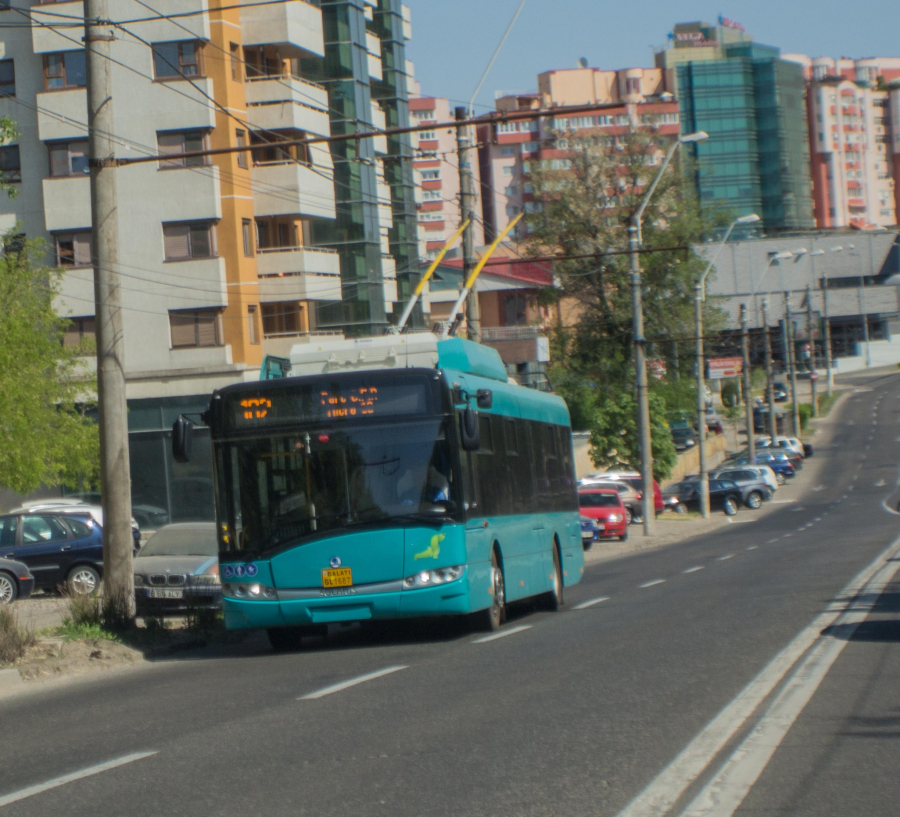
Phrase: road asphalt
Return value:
(750, 670)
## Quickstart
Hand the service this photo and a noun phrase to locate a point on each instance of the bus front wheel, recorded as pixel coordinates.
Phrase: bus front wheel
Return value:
(554, 599)
(492, 618)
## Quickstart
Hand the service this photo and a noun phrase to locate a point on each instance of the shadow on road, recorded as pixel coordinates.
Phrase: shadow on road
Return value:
(882, 624)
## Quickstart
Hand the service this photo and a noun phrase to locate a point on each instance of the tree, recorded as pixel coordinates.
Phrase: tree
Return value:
(46, 435)
(614, 437)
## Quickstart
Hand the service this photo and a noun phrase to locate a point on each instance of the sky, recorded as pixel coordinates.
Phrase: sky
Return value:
(453, 41)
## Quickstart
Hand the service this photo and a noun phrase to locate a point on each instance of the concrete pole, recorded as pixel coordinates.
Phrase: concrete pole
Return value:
(748, 396)
(827, 338)
(812, 351)
(865, 319)
(770, 391)
(467, 211)
(115, 470)
(701, 403)
(792, 364)
(648, 504)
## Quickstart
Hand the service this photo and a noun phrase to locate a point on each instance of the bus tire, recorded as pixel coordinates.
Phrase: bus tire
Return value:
(286, 639)
(554, 599)
(493, 617)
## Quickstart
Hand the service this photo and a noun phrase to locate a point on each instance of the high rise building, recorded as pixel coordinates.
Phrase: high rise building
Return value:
(751, 102)
(854, 129)
(228, 257)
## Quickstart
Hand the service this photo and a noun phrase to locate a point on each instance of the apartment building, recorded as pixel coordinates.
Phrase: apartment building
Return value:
(626, 100)
(437, 176)
(229, 257)
(853, 108)
(751, 102)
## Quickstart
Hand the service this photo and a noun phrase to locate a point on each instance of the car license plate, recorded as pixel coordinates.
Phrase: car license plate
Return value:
(601, 526)
(338, 577)
(165, 593)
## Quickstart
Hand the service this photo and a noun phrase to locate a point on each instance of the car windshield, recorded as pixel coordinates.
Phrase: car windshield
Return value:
(181, 542)
(598, 500)
(289, 487)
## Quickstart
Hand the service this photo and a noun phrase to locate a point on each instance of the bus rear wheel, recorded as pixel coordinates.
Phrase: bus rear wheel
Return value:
(554, 599)
(492, 618)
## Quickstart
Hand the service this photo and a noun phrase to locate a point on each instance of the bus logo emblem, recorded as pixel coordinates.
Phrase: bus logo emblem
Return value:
(335, 561)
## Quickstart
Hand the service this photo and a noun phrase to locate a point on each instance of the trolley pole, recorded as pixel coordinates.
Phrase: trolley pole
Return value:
(812, 351)
(115, 470)
(748, 396)
(701, 402)
(792, 364)
(829, 381)
(467, 211)
(770, 391)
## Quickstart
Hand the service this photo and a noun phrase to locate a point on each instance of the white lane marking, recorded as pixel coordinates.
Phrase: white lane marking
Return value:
(693, 569)
(783, 501)
(670, 784)
(787, 536)
(822, 487)
(880, 484)
(585, 604)
(70, 778)
(725, 558)
(495, 636)
(753, 547)
(651, 584)
(321, 693)
(744, 521)
(818, 519)
(772, 541)
(726, 791)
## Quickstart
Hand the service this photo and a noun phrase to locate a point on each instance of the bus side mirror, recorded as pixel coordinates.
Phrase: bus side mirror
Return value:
(182, 434)
(468, 430)
(485, 398)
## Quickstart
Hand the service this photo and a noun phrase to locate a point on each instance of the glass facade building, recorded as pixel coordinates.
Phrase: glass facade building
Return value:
(756, 160)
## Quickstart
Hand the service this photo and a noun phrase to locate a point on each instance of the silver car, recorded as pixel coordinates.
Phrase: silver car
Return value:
(178, 570)
(754, 490)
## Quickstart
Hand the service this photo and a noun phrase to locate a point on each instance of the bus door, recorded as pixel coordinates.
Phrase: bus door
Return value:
(478, 533)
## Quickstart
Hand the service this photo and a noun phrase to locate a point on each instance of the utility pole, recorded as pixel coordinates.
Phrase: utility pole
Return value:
(792, 363)
(701, 402)
(829, 382)
(748, 396)
(812, 351)
(467, 211)
(770, 391)
(115, 470)
(865, 319)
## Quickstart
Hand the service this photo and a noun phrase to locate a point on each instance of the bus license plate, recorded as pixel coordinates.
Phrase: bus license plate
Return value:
(161, 593)
(338, 577)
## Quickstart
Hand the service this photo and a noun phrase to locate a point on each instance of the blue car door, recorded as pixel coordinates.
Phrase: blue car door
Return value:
(45, 547)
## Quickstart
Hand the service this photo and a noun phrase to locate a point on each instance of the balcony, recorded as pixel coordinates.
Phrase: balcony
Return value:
(295, 260)
(54, 107)
(298, 24)
(299, 287)
(67, 203)
(288, 188)
(286, 102)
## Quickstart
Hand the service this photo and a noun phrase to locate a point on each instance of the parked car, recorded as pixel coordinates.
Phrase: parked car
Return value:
(683, 438)
(761, 420)
(148, 517)
(754, 490)
(723, 495)
(604, 506)
(794, 457)
(178, 569)
(16, 581)
(765, 472)
(76, 507)
(785, 443)
(780, 392)
(775, 460)
(588, 532)
(633, 479)
(713, 423)
(670, 500)
(60, 549)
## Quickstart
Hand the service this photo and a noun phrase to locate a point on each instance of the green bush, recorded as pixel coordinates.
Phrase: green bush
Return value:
(805, 412)
(731, 393)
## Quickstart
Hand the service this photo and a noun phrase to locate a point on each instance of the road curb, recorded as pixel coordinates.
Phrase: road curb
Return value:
(10, 679)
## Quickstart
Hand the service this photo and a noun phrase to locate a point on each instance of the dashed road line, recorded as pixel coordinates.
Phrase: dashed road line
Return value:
(693, 569)
(585, 604)
(772, 541)
(725, 558)
(753, 547)
(650, 584)
(321, 693)
(495, 636)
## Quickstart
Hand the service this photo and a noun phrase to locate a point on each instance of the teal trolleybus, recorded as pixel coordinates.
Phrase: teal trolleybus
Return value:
(411, 481)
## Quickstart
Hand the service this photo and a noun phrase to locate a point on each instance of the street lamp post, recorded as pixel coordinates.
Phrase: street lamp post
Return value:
(829, 383)
(779, 257)
(640, 357)
(699, 298)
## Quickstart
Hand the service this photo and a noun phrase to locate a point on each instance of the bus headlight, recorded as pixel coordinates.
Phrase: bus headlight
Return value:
(441, 575)
(249, 591)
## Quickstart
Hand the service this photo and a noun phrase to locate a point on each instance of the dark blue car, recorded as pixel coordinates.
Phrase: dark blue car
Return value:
(60, 550)
(16, 581)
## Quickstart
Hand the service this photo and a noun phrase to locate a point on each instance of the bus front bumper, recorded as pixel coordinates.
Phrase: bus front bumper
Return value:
(445, 599)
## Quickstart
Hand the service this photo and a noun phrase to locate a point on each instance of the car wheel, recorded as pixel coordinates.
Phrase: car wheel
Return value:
(637, 517)
(493, 617)
(286, 639)
(730, 507)
(754, 501)
(679, 508)
(9, 590)
(554, 599)
(779, 478)
(83, 581)
(628, 517)
(624, 536)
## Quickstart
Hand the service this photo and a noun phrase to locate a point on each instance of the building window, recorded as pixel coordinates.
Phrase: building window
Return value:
(195, 327)
(178, 59)
(283, 318)
(264, 153)
(79, 330)
(184, 242)
(73, 249)
(236, 62)
(252, 318)
(427, 135)
(10, 164)
(65, 69)
(68, 159)
(431, 175)
(173, 144)
(241, 140)
(431, 195)
(7, 78)
(507, 150)
(508, 170)
(247, 230)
